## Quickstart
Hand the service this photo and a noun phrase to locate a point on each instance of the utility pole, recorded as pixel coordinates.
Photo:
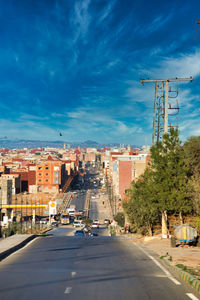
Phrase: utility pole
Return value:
(161, 104)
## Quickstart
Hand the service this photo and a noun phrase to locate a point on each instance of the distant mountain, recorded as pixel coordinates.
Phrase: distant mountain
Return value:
(20, 144)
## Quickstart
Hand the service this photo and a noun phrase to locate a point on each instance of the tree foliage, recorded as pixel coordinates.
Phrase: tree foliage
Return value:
(120, 219)
(192, 159)
(163, 187)
(170, 174)
(142, 208)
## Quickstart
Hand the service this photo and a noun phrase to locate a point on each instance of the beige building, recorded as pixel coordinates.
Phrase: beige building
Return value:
(16, 182)
(5, 196)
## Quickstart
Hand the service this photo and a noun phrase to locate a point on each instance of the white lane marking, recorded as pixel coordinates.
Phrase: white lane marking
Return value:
(68, 290)
(73, 274)
(160, 266)
(191, 296)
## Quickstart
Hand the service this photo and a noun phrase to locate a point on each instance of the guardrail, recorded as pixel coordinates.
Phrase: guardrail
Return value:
(66, 202)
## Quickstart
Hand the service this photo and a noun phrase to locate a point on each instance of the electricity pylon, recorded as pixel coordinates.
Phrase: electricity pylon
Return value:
(161, 105)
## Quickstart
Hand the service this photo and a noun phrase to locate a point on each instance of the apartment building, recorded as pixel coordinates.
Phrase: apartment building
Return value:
(48, 176)
(125, 169)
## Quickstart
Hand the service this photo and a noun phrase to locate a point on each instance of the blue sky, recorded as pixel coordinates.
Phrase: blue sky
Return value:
(75, 66)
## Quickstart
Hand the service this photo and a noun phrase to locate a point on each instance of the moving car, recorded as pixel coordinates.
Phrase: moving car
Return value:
(54, 224)
(79, 233)
(95, 224)
(77, 223)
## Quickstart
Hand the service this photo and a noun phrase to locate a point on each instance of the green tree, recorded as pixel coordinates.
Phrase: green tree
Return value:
(142, 208)
(170, 176)
(192, 158)
(120, 219)
(163, 189)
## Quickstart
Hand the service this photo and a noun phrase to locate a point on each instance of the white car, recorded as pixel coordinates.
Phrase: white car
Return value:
(95, 225)
(78, 223)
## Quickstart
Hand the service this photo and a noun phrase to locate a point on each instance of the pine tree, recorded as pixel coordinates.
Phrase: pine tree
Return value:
(170, 177)
(163, 189)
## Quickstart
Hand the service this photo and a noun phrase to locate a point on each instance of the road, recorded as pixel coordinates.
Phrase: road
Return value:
(66, 267)
(79, 200)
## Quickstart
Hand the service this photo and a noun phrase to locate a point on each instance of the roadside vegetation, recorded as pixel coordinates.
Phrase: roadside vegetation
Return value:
(120, 219)
(168, 187)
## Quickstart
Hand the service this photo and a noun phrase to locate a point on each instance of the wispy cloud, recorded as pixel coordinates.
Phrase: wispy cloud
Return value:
(81, 19)
(106, 11)
(158, 22)
(183, 65)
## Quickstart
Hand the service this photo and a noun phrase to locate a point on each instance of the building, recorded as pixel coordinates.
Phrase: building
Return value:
(5, 196)
(125, 169)
(48, 176)
(16, 182)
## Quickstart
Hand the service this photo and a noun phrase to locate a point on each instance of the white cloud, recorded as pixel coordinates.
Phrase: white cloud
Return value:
(107, 11)
(185, 65)
(99, 124)
(81, 18)
(27, 130)
(158, 22)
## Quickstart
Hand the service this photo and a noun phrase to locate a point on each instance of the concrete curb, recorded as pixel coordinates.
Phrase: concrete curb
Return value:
(188, 278)
(6, 253)
(13, 249)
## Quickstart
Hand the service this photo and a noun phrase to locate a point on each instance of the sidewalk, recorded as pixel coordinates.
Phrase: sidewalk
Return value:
(12, 243)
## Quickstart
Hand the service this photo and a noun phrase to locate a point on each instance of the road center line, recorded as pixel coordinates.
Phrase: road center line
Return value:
(160, 266)
(68, 290)
(73, 274)
(191, 296)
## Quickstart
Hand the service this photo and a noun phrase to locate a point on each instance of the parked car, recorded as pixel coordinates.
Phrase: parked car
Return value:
(43, 221)
(106, 221)
(79, 233)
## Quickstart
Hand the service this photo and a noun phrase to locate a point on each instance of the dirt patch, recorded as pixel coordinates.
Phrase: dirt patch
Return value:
(187, 255)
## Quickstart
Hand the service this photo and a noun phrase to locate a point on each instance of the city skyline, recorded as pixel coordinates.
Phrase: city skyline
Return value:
(74, 67)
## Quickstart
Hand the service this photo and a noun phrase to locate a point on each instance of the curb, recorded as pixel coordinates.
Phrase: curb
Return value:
(6, 253)
(13, 249)
(188, 278)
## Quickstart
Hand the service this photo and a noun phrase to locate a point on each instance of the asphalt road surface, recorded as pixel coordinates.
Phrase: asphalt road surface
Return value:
(79, 201)
(92, 268)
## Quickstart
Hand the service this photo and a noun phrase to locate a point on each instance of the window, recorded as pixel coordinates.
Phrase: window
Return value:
(46, 180)
(47, 174)
(55, 180)
(39, 180)
(40, 174)
(47, 168)
(56, 174)
(39, 168)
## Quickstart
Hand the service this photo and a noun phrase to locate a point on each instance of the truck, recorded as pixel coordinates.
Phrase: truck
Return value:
(71, 210)
(184, 234)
